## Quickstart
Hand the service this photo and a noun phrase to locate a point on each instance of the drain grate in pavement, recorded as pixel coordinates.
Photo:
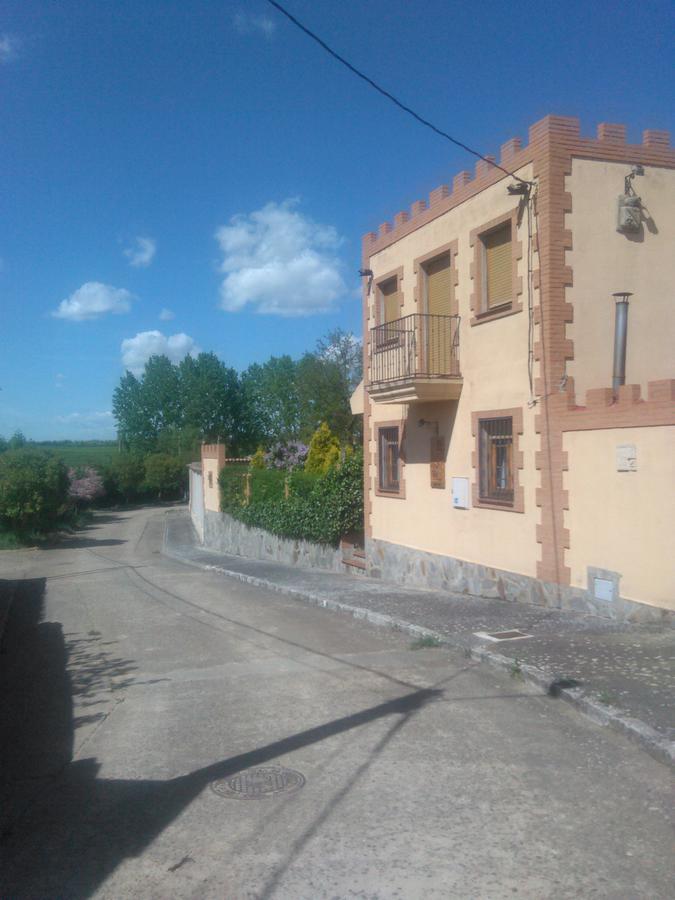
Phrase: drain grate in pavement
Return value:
(263, 781)
(514, 635)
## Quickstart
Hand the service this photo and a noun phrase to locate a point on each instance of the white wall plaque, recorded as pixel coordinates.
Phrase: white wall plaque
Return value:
(626, 458)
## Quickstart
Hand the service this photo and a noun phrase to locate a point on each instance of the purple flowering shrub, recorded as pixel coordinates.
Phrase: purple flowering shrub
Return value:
(85, 485)
(288, 455)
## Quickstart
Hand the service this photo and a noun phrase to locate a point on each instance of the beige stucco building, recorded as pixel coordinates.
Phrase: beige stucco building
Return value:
(500, 459)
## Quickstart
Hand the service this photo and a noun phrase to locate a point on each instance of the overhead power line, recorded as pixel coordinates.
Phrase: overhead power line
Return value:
(389, 96)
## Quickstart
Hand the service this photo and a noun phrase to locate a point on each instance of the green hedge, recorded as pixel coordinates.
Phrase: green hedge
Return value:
(319, 508)
(33, 491)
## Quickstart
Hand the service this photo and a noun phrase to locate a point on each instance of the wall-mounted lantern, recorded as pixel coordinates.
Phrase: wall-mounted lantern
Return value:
(629, 210)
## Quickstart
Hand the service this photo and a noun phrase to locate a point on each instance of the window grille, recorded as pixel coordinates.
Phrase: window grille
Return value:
(388, 452)
(496, 459)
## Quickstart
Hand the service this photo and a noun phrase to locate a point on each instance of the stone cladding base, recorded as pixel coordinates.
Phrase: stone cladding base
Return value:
(227, 535)
(417, 568)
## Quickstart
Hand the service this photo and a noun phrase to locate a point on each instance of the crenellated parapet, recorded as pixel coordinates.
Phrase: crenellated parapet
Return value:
(608, 144)
(214, 451)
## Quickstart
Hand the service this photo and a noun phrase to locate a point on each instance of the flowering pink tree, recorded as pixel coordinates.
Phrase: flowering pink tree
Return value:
(86, 486)
(287, 455)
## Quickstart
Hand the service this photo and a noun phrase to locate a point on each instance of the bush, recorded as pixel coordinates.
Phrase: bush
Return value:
(33, 490)
(336, 503)
(301, 483)
(324, 451)
(123, 478)
(258, 459)
(165, 475)
(318, 508)
(232, 482)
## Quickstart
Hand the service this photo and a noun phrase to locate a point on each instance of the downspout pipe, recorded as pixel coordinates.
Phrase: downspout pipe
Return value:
(620, 339)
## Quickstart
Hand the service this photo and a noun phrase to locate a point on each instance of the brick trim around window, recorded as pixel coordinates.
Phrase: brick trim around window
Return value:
(516, 416)
(479, 313)
(378, 426)
(418, 263)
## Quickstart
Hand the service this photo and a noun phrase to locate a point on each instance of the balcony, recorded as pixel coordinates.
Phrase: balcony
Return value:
(415, 359)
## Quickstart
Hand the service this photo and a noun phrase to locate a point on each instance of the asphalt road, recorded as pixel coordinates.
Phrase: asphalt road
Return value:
(135, 690)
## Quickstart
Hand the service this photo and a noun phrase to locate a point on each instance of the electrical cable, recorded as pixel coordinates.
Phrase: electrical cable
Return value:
(531, 200)
(389, 96)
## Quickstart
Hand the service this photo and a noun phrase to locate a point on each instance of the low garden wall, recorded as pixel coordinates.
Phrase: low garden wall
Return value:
(227, 535)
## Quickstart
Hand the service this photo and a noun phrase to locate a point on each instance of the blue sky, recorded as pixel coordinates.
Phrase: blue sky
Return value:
(197, 175)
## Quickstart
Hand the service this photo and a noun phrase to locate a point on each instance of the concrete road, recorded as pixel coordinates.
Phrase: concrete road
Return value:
(135, 690)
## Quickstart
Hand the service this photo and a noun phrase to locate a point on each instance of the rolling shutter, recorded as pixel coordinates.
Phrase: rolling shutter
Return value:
(390, 300)
(439, 289)
(498, 266)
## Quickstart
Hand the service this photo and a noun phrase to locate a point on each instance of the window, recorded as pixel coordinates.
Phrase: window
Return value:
(497, 287)
(437, 287)
(210, 479)
(495, 447)
(389, 460)
(390, 302)
(387, 334)
(497, 267)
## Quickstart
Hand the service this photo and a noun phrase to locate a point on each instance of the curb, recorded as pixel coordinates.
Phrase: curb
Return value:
(637, 731)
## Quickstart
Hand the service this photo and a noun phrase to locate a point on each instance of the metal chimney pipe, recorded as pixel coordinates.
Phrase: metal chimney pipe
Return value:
(620, 337)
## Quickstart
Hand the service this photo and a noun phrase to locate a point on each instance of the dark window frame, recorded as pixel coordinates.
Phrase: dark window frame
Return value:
(480, 312)
(389, 477)
(485, 308)
(496, 449)
(517, 504)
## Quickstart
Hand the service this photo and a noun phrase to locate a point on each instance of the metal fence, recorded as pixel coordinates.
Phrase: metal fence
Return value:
(416, 346)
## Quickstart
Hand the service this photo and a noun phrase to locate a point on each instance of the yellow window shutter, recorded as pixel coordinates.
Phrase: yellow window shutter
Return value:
(390, 300)
(498, 266)
(439, 288)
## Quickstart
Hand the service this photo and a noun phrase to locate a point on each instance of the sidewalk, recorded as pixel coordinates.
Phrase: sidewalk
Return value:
(621, 675)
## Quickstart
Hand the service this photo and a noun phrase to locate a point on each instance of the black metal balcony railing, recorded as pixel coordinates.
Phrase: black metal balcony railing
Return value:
(416, 346)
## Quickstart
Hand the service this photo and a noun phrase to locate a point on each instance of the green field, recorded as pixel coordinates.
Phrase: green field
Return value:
(83, 453)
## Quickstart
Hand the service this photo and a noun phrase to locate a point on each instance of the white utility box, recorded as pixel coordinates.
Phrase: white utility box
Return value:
(603, 589)
(460, 493)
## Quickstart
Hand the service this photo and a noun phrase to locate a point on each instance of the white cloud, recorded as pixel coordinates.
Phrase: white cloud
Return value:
(281, 262)
(136, 351)
(248, 24)
(83, 425)
(93, 300)
(9, 48)
(167, 315)
(92, 418)
(142, 252)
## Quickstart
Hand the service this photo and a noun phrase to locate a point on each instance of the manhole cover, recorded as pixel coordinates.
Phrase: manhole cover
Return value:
(512, 635)
(263, 781)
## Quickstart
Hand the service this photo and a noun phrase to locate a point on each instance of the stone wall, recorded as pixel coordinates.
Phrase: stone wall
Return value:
(417, 568)
(227, 535)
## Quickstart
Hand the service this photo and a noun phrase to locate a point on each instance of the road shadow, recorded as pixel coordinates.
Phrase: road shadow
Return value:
(65, 829)
(35, 691)
(106, 518)
(79, 543)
